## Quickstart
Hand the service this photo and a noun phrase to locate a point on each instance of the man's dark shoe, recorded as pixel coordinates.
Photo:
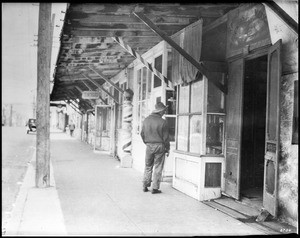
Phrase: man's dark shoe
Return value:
(154, 191)
(145, 189)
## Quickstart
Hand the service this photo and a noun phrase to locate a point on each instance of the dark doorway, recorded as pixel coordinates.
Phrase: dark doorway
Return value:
(253, 129)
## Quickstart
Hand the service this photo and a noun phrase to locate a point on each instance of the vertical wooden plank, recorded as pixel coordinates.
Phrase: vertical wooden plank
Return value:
(42, 178)
(234, 100)
(272, 148)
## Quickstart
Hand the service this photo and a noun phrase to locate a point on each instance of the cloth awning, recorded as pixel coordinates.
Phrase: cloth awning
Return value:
(190, 39)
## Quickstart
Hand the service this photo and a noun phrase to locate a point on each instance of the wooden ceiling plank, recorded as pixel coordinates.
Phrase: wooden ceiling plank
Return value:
(158, 9)
(112, 18)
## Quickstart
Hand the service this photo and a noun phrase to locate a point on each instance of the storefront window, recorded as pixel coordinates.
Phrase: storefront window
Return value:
(215, 120)
(144, 83)
(195, 134)
(171, 112)
(144, 90)
(190, 118)
(215, 134)
(182, 139)
(215, 97)
(184, 99)
(197, 97)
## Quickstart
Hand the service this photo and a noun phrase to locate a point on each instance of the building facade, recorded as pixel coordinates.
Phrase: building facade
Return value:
(234, 130)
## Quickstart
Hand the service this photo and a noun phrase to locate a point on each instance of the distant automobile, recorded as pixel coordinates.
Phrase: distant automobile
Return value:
(31, 125)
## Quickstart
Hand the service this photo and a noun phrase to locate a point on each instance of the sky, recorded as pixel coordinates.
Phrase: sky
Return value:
(19, 50)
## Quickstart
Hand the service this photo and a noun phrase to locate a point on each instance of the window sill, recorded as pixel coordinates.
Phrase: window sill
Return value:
(195, 155)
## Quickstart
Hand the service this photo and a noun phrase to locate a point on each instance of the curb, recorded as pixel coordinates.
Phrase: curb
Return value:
(37, 211)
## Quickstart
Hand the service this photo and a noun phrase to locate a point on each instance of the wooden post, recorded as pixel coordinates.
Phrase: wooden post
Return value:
(42, 178)
(10, 115)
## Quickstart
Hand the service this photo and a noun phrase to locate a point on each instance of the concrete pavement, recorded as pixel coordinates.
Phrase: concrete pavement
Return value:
(91, 195)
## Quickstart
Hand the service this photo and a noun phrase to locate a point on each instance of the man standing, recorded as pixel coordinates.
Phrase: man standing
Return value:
(71, 128)
(155, 134)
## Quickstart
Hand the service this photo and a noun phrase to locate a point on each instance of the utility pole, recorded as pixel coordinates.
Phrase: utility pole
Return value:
(42, 178)
(11, 115)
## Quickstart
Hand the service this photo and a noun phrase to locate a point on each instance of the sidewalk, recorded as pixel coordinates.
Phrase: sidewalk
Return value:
(91, 195)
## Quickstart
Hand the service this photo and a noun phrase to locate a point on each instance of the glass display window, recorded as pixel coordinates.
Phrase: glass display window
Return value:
(144, 92)
(201, 121)
(215, 134)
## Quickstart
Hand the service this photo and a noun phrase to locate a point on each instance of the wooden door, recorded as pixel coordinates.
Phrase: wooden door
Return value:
(233, 128)
(272, 130)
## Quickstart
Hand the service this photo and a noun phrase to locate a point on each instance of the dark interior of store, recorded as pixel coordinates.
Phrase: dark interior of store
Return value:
(253, 128)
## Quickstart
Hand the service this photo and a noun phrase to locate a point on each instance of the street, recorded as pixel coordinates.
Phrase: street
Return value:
(17, 151)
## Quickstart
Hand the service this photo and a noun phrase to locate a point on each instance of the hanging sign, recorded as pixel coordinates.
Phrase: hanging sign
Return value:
(90, 94)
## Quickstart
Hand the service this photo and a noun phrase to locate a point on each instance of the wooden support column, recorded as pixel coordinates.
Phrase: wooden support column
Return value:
(181, 51)
(42, 178)
(10, 115)
(75, 109)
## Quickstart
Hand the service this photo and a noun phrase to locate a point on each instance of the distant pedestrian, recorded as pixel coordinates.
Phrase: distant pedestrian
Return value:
(155, 134)
(71, 128)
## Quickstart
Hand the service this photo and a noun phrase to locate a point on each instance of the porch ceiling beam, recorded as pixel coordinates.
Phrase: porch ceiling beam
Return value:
(69, 98)
(75, 109)
(110, 33)
(181, 51)
(283, 15)
(144, 62)
(107, 80)
(100, 87)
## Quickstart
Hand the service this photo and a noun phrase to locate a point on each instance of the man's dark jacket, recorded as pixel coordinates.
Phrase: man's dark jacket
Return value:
(155, 130)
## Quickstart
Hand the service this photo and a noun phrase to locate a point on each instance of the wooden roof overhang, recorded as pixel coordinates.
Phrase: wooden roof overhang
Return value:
(89, 56)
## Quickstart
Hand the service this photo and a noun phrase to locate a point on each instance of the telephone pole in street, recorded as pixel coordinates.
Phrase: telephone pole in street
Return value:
(42, 178)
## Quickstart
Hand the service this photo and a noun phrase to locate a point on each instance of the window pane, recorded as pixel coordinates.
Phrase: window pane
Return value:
(116, 92)
(171, 102)
(182, 140)
(197, 96)
(144, 82)
(158, 66)
(184, 99)
(215, 98)
(171, 123)
(215, 134)
(273, 97)
(169, 66)
(149, 81)
(195, 134)
(138, 117)
(139, 84)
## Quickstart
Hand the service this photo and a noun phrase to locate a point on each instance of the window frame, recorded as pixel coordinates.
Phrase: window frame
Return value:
(204, 114)
(140, 99)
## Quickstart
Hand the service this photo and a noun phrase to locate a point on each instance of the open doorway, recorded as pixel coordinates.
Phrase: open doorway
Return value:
(253, 130)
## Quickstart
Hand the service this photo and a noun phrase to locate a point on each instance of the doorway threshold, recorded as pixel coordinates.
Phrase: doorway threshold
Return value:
(248, 215)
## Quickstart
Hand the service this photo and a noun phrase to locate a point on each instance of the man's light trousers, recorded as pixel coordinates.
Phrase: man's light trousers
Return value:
(154, 162)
